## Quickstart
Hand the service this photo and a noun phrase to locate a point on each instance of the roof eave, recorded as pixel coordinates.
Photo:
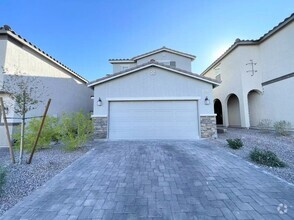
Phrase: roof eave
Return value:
(121, 61)
(42, 53)
(94, 83)
(192, 57)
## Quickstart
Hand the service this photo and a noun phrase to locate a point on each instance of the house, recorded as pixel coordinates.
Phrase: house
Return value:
(257, 79)
(154, 96)
(67, 89)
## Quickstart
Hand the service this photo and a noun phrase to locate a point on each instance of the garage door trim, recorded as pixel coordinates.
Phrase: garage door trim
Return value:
(153, 99)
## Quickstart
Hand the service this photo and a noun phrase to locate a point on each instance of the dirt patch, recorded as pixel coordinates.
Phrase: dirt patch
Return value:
(283, 146)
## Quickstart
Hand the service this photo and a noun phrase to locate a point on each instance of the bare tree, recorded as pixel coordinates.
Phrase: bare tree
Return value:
(27, 93)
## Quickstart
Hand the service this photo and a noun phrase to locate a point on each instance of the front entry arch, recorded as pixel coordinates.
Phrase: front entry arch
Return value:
(218, 111)
(254, 107)
(234, 111)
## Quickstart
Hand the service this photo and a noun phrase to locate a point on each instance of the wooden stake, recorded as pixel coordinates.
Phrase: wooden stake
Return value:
(7, 132)
(39, 132)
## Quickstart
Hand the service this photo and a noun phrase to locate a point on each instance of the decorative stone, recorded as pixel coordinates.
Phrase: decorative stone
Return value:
(208, 127)
(100, 127)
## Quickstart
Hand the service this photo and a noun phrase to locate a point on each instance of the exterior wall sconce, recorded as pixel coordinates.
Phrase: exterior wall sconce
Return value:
(99, 102)
(206, 101)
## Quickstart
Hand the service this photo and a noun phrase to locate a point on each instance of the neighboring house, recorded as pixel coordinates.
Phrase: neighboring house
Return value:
(154, 96)
(67, 89)
(257, 79)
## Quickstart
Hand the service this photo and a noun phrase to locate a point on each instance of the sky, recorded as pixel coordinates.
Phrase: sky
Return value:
(85, 34)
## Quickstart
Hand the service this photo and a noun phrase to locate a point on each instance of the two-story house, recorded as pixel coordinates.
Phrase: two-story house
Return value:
(154, 96)
(66, 88)
(257, 78)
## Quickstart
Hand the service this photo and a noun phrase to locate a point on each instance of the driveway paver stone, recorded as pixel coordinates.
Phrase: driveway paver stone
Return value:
(158, 180)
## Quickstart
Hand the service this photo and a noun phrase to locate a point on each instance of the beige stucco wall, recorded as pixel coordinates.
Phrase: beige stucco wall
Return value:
(68, 94)
(117, 67)
(274, 58)
(181, 62)
(278, 54)
(152, 82)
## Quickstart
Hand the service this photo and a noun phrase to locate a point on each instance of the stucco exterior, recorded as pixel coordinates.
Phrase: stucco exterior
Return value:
(154, 81)
(149, 83)
(162, 55)
(266, 92)
(69, 92)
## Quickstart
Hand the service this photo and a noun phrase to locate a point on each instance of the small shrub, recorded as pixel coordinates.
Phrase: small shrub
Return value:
(50, 132)
(282, 127)
(235, 143)
(264, 125)
(2, 178)
(76, 129)
(266, 157)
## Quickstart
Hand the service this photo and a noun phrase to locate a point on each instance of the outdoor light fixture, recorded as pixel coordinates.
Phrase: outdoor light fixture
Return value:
(206, 101)
(99, 102)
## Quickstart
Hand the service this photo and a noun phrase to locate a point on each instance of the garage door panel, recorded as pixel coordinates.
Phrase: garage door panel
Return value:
(153, 120)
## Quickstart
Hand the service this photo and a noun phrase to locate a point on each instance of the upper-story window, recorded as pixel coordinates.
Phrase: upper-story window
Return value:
(167, 62)
(217, 73)
(124, 67)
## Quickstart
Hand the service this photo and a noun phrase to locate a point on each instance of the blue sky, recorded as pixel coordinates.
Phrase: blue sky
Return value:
(85, 34)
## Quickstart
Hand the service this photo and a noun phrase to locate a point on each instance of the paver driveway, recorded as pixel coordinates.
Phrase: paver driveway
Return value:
(158, 180)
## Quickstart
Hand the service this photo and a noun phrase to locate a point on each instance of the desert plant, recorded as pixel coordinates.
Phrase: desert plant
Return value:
(264, 125)
(2, 178)
(235, 143)
(76, 129)
(27, 93)
(50, 133)
(282, 127)
(266, 157)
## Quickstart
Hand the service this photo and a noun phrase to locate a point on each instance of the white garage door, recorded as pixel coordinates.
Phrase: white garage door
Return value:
(153, 120)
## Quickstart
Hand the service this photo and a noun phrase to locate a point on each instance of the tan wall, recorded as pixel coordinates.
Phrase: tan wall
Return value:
(274, 58)
(181, 62)
(68, 94)
(152, 82)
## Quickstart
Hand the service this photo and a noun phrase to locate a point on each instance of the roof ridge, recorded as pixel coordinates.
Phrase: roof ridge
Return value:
(7, 29)
(155, 51)
(154, 63)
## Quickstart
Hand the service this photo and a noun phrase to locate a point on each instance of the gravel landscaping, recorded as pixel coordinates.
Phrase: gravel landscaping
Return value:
(282, 146)
(21, 179)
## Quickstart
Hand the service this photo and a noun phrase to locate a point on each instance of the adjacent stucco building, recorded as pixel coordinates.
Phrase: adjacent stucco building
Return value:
(154, 96)
(257, 79)
(67, 89)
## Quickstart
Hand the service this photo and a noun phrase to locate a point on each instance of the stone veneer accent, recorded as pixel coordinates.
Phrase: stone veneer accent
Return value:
(208, 126)
(100, 127)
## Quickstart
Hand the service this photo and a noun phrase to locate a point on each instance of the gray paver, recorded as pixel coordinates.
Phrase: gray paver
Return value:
(158, 180)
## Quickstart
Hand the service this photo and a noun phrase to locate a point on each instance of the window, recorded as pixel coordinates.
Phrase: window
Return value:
(173, 63)
(167, 63)
(124, 67)
(217, 72)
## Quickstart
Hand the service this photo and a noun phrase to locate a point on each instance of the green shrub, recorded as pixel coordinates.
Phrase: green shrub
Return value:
(235, 143)
(2, 178)
(266, 157)
(264, 125)
(75, 129)
(50, 132)
(282, 127)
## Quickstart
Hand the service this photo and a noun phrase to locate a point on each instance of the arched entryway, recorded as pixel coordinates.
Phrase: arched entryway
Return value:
(254, 107)
(234, 111)
(218, 110)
